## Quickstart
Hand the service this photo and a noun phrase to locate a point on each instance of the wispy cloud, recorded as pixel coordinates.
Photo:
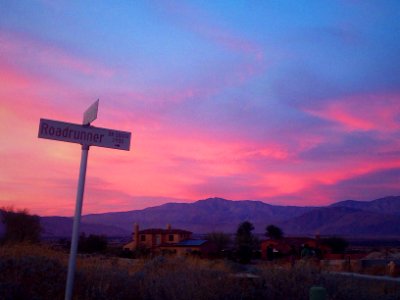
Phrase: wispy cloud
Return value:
(285, 105)
(363, 112)
(37, 55)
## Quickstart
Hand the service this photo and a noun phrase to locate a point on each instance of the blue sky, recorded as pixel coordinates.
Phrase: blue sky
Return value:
(288, 102)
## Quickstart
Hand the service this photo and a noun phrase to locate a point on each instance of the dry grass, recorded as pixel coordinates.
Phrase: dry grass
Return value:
(389, 254)
(37, 272)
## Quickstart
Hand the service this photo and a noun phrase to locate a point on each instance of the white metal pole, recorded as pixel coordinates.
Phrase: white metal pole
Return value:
(77, 220)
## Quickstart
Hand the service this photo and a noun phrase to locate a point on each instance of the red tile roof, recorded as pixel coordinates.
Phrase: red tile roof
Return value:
(164, 231)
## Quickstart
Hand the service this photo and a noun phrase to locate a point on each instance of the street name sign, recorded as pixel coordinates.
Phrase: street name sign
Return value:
(91, 113)
(84, 135)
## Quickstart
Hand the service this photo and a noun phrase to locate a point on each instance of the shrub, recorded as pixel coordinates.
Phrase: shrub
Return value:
(92, 244)
(337, 244)
(273, 232)
(37, 272)
(31, 276)
(20, 226)
(220, 239)
(245, 242)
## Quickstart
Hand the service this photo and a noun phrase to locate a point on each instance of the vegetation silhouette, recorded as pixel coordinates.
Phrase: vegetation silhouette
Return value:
(220, 239)
(273, 232)
(20, 226)
(38, 272)
(92, 243)
(245, 242)
(337, 244)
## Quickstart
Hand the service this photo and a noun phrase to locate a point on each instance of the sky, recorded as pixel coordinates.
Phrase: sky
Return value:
(287, 102)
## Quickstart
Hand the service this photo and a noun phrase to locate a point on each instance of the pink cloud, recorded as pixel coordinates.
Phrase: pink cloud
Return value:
(33, 52)
(363, 112)
(208, 26)
(166, 163)
(167, 159)
(322, 183)
(30, 92)
(364, 186)
(10, 78)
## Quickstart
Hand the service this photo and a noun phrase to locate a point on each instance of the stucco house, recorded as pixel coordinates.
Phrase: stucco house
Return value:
(169, 241)
(154, 237)
(284, 245)
(185, 247)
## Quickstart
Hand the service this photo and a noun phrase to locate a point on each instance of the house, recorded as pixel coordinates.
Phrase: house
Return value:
(154, 237)
(169, 241)
(199, 247)
(284, 246)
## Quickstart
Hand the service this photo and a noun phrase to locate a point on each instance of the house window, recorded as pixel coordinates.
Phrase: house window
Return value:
(142, 237)
(171, 237)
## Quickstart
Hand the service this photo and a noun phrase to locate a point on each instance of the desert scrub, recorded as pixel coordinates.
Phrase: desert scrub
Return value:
(38, 272)
(26, 249)
(34, 272)
(341, 287)
(289, 283)
(30, 276)
(295, 283)
(185, 278)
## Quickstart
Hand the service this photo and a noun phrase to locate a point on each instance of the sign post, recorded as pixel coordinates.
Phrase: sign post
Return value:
(87, 136)
(77, 221)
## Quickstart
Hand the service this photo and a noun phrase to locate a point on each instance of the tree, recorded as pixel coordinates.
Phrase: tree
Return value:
(337, 244)
(91, 244)
(273, 232)
(20, 226)
(245, 241)
(220, 239)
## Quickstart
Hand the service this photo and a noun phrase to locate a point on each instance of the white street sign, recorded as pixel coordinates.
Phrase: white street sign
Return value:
(91, 113)
(87, 136)
(84, 135)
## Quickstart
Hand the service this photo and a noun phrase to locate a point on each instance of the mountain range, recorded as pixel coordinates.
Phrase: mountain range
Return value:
(377, 218)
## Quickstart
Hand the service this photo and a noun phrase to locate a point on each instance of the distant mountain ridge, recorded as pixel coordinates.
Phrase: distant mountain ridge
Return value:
(62, 226)
(388, 205)
(356, 218)
(344, 221)
(201, 216)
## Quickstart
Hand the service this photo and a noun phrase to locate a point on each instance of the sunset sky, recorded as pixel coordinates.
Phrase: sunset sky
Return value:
(288, 102)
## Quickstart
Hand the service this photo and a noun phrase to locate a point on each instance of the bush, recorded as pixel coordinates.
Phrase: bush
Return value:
(337, 244)
(26, 274)
(273, 232)
(92, 244)
(20, 226)
(37, 272)
(219, 239)
(245, 242)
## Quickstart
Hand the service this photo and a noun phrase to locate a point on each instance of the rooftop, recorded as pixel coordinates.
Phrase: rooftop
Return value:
(191, 243)
(163, 231)
(186, 243)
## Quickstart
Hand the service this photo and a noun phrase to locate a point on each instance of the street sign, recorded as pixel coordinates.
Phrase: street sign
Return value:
(91, 113)
(84, 135)
(87, 136)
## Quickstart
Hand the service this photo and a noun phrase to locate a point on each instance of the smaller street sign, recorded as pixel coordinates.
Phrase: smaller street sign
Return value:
(84, 135)
(91, 113)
